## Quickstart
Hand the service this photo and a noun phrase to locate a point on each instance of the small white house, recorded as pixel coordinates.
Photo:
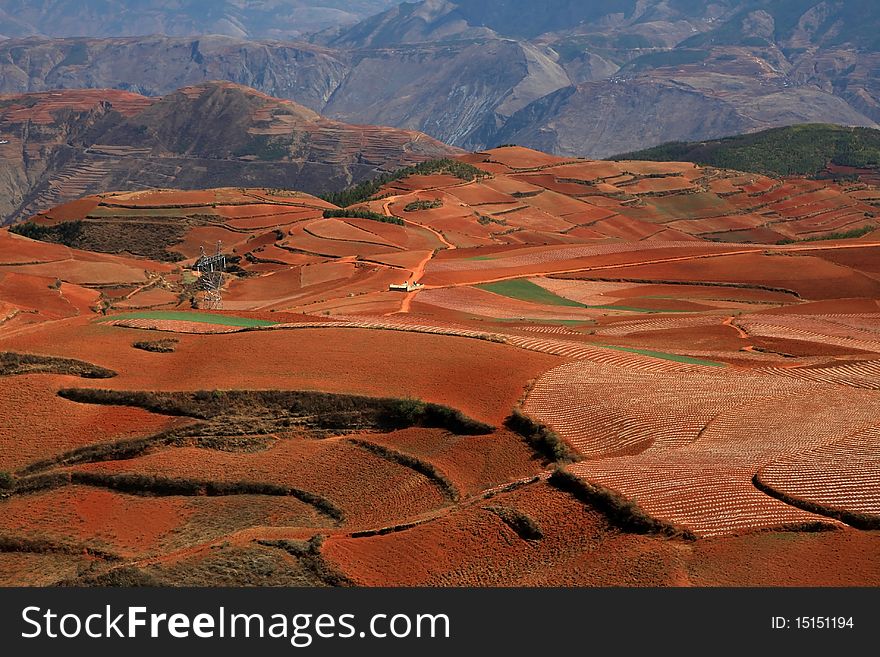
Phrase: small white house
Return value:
(409, 286)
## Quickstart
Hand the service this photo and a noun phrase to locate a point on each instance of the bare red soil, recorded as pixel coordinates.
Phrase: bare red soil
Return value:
(725, 383)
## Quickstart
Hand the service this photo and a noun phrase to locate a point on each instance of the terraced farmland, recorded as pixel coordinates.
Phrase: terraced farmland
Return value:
(390, 402)
(686, 447)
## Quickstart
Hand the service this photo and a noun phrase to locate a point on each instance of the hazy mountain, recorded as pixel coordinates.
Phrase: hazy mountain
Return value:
(158, 65)
(62, 145)
(241, 18)
(570, 76)
(598, 119)
(523, 19)
(459, 93)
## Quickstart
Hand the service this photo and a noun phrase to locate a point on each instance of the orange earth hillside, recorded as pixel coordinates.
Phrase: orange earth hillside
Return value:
(518, 369)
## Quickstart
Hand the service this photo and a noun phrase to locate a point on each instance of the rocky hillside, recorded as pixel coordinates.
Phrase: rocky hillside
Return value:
(569, 76)
(298, 71)
(62, 145)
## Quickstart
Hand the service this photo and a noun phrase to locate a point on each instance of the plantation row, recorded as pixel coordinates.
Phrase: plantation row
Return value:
(840, 476)
(603, 409)
(708, 496)
(579, 351)
(687, 445)
(789, 332)
(627, 328)
(861, 374)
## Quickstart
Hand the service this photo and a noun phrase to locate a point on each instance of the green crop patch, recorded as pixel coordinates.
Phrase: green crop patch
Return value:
(665, 356)
(183, 316)
(524, 290)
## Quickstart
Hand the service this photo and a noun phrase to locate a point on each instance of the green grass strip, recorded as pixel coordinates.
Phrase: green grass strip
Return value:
(524, 290)
(665, 356)
(183, 316)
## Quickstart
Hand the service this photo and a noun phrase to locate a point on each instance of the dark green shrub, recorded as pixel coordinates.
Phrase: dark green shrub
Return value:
(523, 524)
(540, 438)
(7, 481)
(423, 205)
(165, 346)
(360, 213)
(620, 511)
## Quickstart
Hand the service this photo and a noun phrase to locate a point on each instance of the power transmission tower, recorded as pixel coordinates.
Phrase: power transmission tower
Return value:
(211, 270)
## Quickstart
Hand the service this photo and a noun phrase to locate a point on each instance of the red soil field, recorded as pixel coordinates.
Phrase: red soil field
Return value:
(31, 407)
(480, 302)
(72, 210)
(207, 237)
(719, 223)
(15, 249)
(811, 277)
(413, 183)
(95, 518)
(302, 239)
(472, 463)
(832, 307)
(49, 102)
(839, 558)
(31, 569)
(708, 292)
(790, 411)
(653, 185)
(474, 547)
(281, 220)
(431, 367)
(102, 519)
(476, 194)
(150, 298)
(553, 182)
(34, 294)
(105, 271)
(629, 229)
(335, 229)
(371, 491)
(589, 171)
(518, 157)
(512, 185)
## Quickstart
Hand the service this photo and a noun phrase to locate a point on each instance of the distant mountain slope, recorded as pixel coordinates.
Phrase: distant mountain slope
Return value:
(524, 19)
(796, 150)
(62, 145)
(575, 77)
(596, 119)
(296, 71)
(241, 18)
(459, 93)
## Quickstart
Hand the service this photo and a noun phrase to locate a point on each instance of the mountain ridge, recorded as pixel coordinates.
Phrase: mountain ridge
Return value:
(62, 145)
(476, 74)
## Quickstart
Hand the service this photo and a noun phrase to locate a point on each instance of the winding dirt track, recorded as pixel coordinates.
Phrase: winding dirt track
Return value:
(419, 270)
